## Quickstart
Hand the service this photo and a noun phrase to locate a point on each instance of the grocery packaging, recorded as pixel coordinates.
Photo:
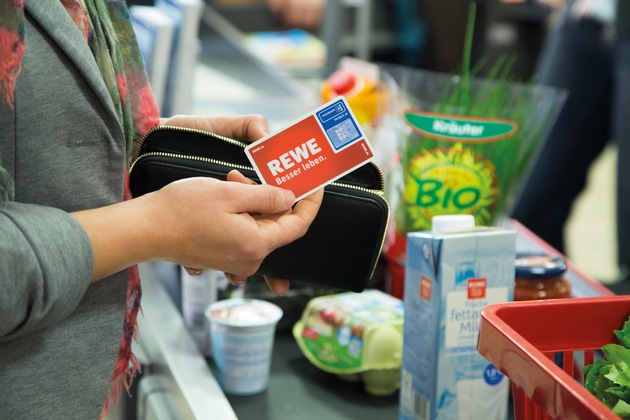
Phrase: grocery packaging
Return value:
(197, 293)
(464, 142)
(463, 146)
(450, 277)
(540, 276)
(360, 83)
(357, 336)
(242, 333)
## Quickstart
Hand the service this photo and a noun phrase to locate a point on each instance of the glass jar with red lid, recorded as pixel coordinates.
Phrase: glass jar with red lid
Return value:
(540, 276)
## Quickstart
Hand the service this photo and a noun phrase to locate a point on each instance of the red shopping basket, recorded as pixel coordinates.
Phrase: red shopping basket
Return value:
(521, 338)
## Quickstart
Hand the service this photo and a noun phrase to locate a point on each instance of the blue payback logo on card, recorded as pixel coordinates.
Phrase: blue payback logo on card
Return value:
(321, 147)
(338, 123)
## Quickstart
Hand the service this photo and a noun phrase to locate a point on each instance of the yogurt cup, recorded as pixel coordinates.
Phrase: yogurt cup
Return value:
(242, 333)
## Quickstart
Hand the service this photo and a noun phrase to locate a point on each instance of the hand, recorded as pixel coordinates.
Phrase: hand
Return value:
(228, 226)
(277, 285)
(245, 127)
(250, 127)
(201, 222)
(303, 14)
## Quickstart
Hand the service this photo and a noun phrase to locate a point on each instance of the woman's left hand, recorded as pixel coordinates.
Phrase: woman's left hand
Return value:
(243, 127)
(246, 127)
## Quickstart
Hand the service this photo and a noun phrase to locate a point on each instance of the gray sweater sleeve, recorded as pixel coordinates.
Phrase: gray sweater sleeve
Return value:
(46, 263)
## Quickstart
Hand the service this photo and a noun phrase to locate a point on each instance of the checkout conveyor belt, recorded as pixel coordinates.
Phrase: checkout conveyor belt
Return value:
(297, 389)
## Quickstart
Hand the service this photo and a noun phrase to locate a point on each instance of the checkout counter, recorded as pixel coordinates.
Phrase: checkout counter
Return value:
(177, 380)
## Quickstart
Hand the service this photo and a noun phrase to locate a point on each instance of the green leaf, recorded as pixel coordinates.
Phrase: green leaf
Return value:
(622, 409)
(592, 374)
(621, 392)
(609, 379)
(623, 335)
(619, 356)
(619, 374)
(601, 386)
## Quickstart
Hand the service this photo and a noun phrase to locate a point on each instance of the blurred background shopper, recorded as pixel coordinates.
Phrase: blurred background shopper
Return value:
(588, 53)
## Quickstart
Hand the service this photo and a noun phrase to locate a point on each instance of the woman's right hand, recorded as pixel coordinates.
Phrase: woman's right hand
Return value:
(206, 223)
(200, 223)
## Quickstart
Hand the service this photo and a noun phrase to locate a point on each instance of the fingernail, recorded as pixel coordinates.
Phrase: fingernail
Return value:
(288, 197)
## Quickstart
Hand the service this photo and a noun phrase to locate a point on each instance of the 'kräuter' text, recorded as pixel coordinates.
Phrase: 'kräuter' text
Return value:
(453, 128)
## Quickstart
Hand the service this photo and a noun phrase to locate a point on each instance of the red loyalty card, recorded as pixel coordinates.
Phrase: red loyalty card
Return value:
(321, 147)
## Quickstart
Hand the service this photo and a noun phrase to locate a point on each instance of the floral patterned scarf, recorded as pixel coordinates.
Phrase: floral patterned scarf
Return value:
(106, 27)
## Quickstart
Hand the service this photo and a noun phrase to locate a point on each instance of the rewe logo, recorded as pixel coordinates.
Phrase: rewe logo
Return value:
(477, 288)
(425, 288)
(289, 159)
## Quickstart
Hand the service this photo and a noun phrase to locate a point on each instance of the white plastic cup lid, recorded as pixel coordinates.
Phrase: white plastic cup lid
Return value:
(452, 223)
(240, 312)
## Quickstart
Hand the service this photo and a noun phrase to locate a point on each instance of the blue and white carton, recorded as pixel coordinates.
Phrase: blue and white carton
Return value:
(449, 278)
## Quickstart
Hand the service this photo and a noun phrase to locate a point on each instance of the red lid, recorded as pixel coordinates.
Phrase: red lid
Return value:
(342, 81)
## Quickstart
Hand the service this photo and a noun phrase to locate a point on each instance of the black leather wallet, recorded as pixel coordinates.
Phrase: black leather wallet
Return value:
(343, 243)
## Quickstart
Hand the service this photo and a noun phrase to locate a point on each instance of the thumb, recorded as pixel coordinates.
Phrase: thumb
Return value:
(266, 199)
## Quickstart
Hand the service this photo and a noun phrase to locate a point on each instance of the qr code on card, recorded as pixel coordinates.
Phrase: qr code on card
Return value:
(343, 134)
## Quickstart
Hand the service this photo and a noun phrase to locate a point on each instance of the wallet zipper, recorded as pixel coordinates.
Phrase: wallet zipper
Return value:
(236, 143)
(189, 130)
(188, 157)
(242, 144)
(237, 166)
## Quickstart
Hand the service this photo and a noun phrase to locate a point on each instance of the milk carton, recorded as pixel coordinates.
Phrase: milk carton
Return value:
(452, 273)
